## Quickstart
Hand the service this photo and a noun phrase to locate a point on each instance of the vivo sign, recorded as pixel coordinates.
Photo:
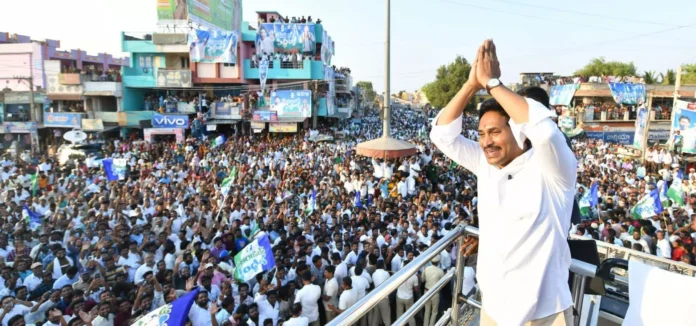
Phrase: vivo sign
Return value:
(170, 121)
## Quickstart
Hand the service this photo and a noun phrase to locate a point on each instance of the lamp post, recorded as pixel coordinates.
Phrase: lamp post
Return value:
(386, 123)
(385, 146)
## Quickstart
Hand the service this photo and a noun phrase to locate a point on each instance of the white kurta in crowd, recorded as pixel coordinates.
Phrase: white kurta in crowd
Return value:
(524, 211)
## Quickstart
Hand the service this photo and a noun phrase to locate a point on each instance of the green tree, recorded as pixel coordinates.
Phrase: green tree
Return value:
(448, 80)
(670, 77)
(688, 74)
(650, 78)
(602, 67)
(370, 93)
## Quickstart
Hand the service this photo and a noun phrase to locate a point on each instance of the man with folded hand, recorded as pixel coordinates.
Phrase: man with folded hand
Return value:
(525, 195)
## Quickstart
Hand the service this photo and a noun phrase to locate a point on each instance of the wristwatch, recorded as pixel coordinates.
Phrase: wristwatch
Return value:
(492, 83)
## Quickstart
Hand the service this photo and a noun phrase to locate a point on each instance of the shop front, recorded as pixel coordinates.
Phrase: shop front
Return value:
(167, 127)
(58, 122)
(164, 134)
(23, 134)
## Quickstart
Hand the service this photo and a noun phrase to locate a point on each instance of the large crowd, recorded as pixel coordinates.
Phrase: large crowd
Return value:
(108, 253)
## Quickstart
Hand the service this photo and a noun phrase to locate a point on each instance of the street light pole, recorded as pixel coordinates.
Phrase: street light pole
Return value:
(387, 112)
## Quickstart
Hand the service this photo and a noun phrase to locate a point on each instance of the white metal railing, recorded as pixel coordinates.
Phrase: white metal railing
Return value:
(582, 272)
(607, 250)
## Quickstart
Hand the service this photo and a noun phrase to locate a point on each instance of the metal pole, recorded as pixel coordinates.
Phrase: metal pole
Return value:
(416, 307)
(578, 295)
(386, 131)
(458, 275)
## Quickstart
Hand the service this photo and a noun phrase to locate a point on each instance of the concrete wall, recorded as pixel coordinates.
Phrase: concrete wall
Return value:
(21, 59)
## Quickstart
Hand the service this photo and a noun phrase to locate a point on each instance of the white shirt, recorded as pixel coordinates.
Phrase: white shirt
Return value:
(308, 296)
(267, 311)
(341, 271)
(531, 212)
(140, 272)
(360, 286)
(17, 309)
(297, 321)
(379, 277)
(664, 250)
(396, 263)
(405, 290)
(200, 316)
(331, 291)
(348, 298)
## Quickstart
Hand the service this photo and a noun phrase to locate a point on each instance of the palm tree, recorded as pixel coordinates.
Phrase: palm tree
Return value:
(670, 78)
(649, 77)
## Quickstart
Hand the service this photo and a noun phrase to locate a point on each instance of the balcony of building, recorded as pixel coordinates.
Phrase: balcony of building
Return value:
(105, 88)
(307, 69)
(249, 32)
(139, 76)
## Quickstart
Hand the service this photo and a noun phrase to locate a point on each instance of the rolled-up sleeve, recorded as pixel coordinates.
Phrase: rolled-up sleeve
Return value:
(449, 139)
(559, 162)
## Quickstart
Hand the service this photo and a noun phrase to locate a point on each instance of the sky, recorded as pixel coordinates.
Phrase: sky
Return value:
(530, 35)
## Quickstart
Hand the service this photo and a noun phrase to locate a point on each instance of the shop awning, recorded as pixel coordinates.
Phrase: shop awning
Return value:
(296, 119)
(340, 115)
(222, 121)
(64, 97)
(106, 128)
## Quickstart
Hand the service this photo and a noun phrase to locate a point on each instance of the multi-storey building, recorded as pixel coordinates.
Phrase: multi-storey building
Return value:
(46, 90)
(163, 66)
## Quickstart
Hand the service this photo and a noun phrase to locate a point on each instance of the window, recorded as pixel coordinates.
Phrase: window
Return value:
(145, 62)
(185, 62)
(228, 64)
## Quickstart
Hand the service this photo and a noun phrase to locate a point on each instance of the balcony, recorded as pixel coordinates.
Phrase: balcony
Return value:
(103, 89)
(110, 117)
(57, 90)
(311, 69)
(249, 35)
(139, 77)
(137, 43)
(69, 79)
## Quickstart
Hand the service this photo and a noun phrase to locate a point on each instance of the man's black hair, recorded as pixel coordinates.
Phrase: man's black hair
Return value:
(492, 105)
(685, 117)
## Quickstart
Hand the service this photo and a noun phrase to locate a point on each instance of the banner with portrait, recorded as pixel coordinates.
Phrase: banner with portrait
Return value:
(326, 48)
(282, 127)
(263, 73)
(562, 94)
(331, 95)
(272, 38)
(624, 93)
(641, 124)
(213, 46)
(288, 103)
(684, 121)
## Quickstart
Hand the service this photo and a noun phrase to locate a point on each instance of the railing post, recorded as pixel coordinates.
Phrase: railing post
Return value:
(458, 274)
(578, 293)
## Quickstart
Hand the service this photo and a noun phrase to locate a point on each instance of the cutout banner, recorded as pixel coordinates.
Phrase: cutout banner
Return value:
(624, 93)
(292, 103)
(213, 46)
(272, 38)
(562, 94)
